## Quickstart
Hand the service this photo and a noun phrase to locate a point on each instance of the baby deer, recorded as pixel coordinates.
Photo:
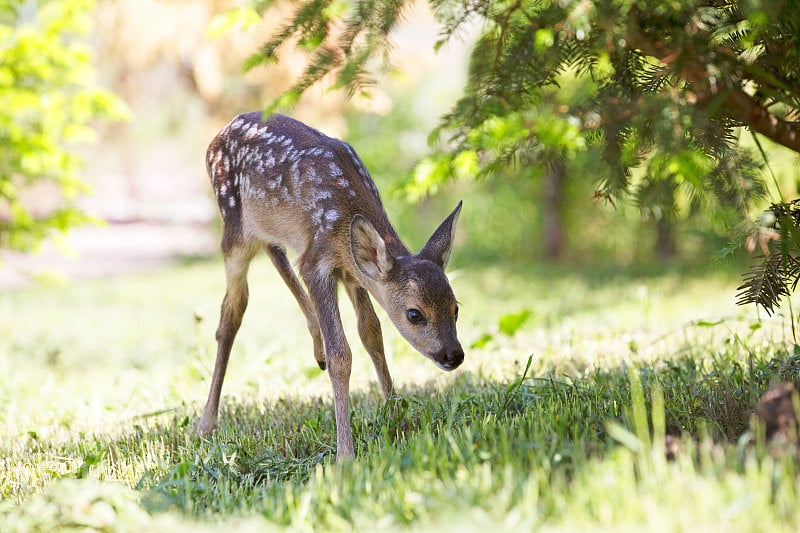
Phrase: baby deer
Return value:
(280, 183)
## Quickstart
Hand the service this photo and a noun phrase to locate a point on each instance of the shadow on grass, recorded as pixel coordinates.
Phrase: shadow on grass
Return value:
(273, 459)
(544, 423)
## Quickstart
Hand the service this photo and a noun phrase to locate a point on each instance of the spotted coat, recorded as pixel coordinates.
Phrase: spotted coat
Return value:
(289, 169)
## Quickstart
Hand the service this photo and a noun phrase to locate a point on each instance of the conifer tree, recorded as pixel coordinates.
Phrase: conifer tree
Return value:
(670, 88)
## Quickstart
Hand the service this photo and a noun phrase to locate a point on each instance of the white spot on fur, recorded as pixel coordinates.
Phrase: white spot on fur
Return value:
(312, 177)
(252, 132)
(275, 183)
(253, 156)
(335, 170)
(295, 172)
(238, 155)
(269, 159)
(320, 194)
(232, 201)
(217, 157)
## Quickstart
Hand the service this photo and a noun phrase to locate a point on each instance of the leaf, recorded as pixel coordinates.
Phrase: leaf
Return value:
(482, 341)
(622, 435)
(236, 19)
(514, 387)
(764, 284)
(426, 177)
(255, 60)
(89, 460)
(50, 103)
(510, 323)
(335, 10)
(465, 165)
(708, 323)
(638, 411)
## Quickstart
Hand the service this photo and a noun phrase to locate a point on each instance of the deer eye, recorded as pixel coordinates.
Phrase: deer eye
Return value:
(455, 316)
(415, 316)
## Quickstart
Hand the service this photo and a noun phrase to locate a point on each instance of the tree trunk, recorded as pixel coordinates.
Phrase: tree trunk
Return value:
(666, 248)
(555, 239)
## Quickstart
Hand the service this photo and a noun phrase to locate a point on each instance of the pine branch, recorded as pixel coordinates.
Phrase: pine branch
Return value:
(765, 283)
(686, 61)
(778, 274)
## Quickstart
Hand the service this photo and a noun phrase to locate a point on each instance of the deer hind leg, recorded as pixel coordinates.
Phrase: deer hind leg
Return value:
(237, 261)
(281, 262)
(369, 329)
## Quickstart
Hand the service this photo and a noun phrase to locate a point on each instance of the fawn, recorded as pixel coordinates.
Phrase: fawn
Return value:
(280, 183)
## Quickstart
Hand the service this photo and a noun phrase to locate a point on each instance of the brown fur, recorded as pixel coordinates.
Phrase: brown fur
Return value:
(280, 183)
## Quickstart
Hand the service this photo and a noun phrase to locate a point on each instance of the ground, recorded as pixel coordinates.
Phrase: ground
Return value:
(110, 249)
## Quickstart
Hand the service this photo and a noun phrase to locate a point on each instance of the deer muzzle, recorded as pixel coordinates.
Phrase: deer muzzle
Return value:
(449, 359)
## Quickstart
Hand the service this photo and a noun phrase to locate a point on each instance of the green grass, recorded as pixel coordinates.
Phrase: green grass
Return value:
(554, 422)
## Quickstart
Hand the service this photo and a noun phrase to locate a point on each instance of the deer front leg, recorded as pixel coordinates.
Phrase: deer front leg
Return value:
(284, 267)
(369, 329)
(322, 290)
(237, 261)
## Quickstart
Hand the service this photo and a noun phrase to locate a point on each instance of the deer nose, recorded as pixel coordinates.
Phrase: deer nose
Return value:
(450, 359)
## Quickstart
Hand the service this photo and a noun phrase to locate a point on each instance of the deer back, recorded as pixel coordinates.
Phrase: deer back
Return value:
(280, 181)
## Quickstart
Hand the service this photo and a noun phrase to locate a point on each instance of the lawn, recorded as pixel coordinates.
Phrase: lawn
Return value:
(556, 420)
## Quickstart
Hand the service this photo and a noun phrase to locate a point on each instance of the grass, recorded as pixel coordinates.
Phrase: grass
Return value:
(556, 420)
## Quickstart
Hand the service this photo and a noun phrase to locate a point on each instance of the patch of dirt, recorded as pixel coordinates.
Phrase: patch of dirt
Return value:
(776, 410)
(116, 248)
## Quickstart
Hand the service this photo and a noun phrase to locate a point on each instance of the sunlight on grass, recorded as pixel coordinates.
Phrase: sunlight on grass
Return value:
(104, 380)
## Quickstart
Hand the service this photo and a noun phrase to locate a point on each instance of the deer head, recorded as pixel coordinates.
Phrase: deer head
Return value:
(413, 289)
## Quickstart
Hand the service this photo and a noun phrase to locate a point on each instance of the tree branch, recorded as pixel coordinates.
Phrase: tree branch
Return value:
(737, 103)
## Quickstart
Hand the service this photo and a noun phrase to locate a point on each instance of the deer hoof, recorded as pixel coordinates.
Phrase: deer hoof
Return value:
(205, 428)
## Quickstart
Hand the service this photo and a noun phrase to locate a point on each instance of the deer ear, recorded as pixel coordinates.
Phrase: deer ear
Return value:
(438, 247)
(369, 250)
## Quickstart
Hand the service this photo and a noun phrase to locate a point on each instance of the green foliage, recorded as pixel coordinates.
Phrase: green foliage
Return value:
(649, 99)
(661, 89)
(510, 323)
(776, 274)
(237, 19)
(48, 100)
(507, 324)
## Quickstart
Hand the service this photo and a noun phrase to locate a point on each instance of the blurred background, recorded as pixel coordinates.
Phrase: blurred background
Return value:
(181, 78)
